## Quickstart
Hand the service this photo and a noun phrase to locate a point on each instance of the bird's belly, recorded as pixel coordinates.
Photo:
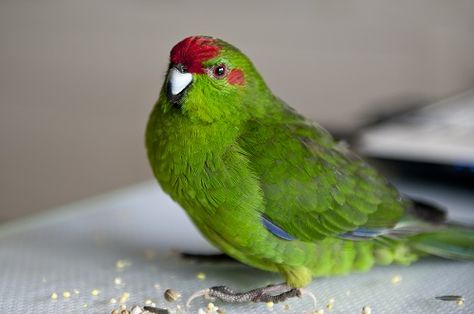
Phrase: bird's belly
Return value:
(221, 214)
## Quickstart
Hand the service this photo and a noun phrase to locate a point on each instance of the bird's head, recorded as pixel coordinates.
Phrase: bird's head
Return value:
(209, 79)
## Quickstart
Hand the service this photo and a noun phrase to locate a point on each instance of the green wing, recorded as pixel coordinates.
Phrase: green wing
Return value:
(313, 186)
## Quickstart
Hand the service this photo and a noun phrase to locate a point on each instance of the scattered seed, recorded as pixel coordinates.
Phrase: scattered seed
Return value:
(95, 292)
(54, 296)
(366, 310)
(118, 281)
(156, 286)
(270, 305)
(148, 302)
(121, 264)
(211, 307)
(76, 291)
(453, 298)
(85, 305)
(201, 276)
(449, 298)
(320, 311)
(113, 301)
(460, 302)
(171, 295)
(149, 309)
(123, 307)
(330, 304)
(286, 307)
(125, 295)
(66, 294)
(122, 301)
(396, 279)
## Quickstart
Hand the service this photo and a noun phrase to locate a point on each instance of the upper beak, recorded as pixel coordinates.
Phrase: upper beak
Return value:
(178, 81)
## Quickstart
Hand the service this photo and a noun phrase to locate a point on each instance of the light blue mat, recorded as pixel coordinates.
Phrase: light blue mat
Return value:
(76, 249)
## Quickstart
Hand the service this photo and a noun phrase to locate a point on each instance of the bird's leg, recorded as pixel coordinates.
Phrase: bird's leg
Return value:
(271, 293)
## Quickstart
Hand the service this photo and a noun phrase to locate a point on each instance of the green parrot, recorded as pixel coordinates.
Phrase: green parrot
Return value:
(271, 188)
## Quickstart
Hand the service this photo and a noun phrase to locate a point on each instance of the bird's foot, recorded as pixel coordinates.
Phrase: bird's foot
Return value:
(271, 293)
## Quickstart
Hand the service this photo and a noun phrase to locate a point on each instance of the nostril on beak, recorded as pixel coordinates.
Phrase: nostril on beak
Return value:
(181, 68)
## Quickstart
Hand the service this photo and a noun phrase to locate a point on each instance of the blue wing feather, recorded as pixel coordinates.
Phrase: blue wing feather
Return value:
(275, 230)
(363, 234)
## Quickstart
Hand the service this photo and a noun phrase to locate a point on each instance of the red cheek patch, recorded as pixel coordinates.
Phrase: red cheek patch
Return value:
(193, 51)
(236, 77)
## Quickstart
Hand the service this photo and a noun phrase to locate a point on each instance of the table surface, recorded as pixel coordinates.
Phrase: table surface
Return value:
(76, 248)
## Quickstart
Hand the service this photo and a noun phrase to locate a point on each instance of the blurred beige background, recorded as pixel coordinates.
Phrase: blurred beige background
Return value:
(78, 78)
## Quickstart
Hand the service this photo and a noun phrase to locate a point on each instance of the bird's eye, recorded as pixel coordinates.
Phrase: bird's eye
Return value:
(219, 71)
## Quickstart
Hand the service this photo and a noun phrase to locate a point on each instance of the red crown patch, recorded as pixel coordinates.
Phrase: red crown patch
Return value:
(193, 51)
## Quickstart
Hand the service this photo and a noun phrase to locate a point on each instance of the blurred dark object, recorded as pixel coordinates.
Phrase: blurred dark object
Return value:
(433, 142)
(390, 110)
(456, 176)
(206, 258)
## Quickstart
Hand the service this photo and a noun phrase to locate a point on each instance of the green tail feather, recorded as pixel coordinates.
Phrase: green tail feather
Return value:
(452, 242)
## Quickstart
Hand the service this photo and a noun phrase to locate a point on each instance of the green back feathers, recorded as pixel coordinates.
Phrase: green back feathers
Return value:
(314, 187)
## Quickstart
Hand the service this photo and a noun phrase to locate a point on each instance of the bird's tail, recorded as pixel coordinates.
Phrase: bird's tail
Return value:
(451, 241)
(440, 238)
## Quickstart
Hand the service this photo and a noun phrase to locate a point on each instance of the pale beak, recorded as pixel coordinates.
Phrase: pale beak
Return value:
(178, 81)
